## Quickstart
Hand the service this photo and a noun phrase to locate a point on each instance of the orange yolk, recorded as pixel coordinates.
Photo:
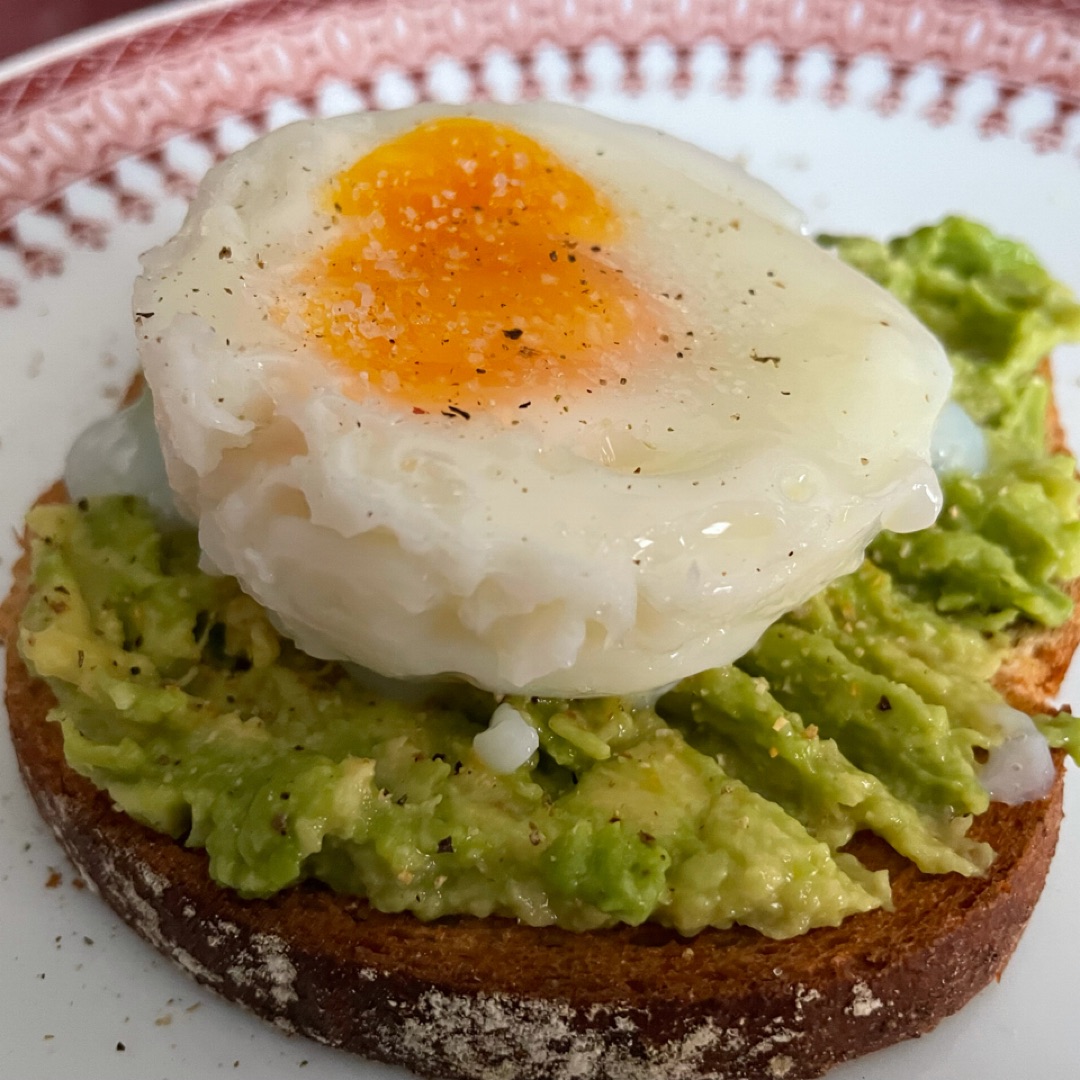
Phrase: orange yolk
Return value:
(471, 270)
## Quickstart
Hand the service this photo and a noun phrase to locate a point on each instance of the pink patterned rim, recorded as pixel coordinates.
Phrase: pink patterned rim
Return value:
(76, 117)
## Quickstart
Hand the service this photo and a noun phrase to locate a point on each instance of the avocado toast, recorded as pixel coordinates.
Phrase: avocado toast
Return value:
(657, 1016)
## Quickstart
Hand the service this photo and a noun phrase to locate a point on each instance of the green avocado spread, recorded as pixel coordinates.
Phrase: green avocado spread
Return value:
(729, 801)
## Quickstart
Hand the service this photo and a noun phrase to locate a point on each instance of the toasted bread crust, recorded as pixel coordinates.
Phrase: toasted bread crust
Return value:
(1031, 674)
(468, 998)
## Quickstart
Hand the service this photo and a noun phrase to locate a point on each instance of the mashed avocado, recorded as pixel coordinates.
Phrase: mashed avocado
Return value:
(728, 802)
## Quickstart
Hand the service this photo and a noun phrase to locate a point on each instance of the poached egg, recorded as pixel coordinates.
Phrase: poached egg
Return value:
(519, 394)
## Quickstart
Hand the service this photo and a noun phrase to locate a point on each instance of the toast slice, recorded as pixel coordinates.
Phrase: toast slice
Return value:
(469, 998)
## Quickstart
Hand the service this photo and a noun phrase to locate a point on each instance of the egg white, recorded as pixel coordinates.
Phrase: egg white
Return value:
(603, 543)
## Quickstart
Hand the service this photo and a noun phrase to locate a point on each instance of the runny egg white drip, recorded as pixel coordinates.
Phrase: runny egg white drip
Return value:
(1020, 769)
(609, 542)
(958, 444)
(121, 455)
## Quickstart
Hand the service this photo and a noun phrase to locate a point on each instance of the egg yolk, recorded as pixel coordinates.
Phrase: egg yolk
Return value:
(470, 268)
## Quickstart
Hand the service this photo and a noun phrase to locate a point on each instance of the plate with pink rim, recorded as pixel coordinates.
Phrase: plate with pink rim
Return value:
(873, 115)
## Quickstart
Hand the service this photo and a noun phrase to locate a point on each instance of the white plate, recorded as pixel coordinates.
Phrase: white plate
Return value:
(873, 115)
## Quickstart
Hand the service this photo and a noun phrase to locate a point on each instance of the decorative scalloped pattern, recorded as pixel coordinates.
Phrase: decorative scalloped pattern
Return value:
(79, 116)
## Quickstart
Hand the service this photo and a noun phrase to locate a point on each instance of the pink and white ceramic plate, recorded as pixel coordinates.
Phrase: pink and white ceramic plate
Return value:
(873, 115)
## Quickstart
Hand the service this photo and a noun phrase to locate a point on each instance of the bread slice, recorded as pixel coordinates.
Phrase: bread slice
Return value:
(469, 998)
